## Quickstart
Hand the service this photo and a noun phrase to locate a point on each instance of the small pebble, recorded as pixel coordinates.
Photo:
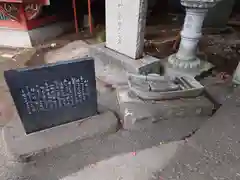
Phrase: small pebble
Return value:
(53, 45)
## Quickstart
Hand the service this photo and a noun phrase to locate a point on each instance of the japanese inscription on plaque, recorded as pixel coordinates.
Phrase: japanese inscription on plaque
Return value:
(54, 94)
(119, 22)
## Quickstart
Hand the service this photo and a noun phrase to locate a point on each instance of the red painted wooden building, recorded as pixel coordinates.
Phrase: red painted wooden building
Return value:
(24, 23)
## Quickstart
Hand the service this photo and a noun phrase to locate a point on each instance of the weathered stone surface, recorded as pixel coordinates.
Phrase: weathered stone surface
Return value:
(107, 98)
(73, 50)
(226, 172)
(7, 107)
(213, 152)
(218, 90)
(134, 110)
(125, 25)
(107, 56)
(154, 87)
(23, 147)
(222, 140)
(186, 165)
(111, 67)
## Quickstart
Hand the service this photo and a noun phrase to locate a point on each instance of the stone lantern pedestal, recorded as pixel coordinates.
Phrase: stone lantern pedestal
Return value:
(185, 60)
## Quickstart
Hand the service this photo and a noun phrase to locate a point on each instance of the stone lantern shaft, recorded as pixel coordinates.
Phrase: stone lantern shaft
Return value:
(191, 33)
(185, 59)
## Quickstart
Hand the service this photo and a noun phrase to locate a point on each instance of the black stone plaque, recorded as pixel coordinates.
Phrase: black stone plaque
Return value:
(53, 94)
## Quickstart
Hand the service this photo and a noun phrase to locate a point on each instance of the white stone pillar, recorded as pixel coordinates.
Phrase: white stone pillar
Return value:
(125, 26)
(185, 59)
(236, 76)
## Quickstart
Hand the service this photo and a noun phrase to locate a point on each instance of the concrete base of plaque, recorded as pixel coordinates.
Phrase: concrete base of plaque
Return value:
(24, 148)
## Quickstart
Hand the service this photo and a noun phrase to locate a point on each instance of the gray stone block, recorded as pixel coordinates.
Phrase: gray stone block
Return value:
(111, 67)
(134, 110)
(73, 50)
(22, 147)
(125, 26)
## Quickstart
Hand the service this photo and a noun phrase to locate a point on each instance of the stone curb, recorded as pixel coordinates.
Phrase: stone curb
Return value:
(23, 148)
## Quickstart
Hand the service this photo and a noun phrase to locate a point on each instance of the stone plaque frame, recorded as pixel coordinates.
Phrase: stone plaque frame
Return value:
(53, 94)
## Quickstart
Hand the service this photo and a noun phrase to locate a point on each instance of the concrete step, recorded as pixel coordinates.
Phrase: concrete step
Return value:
(129, 166)
(188, 164)
(222, 142)
(112, 152)
(24, 148)
(213, 152)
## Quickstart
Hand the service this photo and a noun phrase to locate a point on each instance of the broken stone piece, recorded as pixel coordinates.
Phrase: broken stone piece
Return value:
(154, 87)
(154, 83)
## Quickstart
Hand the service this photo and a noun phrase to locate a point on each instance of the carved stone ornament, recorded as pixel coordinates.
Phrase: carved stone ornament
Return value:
(199, 3)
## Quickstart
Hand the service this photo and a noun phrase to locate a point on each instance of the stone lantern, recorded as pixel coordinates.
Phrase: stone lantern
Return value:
(185, 60)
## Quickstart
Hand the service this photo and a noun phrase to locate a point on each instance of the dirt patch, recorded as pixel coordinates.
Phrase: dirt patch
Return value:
(222, 49)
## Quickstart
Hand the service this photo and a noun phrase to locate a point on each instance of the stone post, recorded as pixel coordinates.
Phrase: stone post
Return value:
(236, 76)
(125, 26)
(185, 59)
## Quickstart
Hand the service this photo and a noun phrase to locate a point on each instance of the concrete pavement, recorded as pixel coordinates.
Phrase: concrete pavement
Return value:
(165, 152)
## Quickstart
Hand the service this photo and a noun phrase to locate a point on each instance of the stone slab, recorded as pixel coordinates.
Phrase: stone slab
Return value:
(108, 56)
(112, 66)
(125, 25)
(134, 110)
(73, 50)
(161, 88)
(22, 147)
(63, 92)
